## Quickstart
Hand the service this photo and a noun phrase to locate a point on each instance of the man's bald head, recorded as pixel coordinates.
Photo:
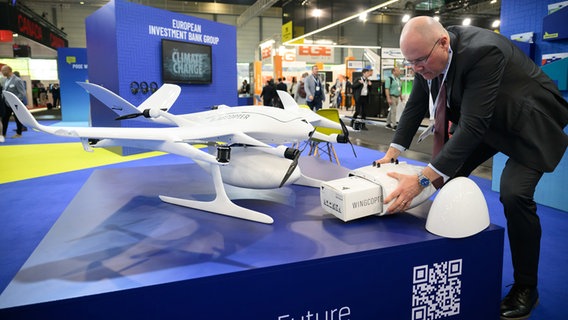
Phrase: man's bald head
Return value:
(422, 28)
(425, 44)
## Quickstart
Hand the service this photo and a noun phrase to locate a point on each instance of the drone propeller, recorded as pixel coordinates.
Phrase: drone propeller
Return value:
(145, 113)
(346, 136)
(294, 154)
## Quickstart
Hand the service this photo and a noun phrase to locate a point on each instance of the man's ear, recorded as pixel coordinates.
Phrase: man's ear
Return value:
(445, 41)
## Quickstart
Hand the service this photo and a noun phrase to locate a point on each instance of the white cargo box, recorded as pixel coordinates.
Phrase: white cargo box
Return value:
(363, 192)
(351, 198)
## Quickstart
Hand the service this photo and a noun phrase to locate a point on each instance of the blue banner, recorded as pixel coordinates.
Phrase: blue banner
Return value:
(72, 67)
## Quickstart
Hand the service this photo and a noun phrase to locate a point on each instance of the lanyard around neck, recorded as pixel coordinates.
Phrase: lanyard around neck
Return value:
(316, 78)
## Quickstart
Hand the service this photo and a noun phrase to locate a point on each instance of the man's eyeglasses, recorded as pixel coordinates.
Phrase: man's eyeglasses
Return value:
(423, 59)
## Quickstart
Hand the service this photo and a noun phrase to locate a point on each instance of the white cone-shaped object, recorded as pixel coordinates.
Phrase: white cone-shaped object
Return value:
(459, 210)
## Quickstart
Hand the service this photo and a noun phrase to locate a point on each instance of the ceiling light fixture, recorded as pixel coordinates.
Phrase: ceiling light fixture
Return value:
(466, 22)
(496, 24)
(342, 21)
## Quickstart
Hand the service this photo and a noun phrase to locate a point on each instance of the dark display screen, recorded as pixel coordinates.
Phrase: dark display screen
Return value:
(185, 62)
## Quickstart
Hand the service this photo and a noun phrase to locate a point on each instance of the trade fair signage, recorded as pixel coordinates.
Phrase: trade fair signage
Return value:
(315, 53)
(14, 19)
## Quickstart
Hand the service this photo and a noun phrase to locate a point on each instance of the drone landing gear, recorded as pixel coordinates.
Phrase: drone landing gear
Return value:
(221, 204)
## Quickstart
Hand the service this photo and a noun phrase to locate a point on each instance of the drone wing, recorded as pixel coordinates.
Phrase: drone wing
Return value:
(162, 100)
(159, 139)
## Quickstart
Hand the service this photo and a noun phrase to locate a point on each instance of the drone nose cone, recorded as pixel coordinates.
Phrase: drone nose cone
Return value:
(459, 210)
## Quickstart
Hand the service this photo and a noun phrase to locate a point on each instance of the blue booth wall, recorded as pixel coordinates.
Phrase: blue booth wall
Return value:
(72, 67)
(124, 45)
(519, 16)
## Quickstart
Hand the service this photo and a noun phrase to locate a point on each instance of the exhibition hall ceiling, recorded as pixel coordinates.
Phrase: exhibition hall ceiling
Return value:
(481, 12)
(447, 7)
(303, 12)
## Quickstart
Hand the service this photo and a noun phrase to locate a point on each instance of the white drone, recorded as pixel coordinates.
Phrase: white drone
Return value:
(245, 144)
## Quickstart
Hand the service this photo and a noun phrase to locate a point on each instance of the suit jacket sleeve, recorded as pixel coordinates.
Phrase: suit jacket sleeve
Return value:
(356, 85)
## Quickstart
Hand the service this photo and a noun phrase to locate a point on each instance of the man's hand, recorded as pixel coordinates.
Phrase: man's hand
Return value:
(408, 188)
(391, 155)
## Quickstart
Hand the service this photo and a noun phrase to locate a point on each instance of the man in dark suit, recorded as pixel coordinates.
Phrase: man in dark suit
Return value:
(361, 93)
(498, 101)
(268, 93)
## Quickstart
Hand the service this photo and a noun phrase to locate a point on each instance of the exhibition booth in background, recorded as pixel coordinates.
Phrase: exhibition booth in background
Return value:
(20, 26)
(131, 56)
(302, 266)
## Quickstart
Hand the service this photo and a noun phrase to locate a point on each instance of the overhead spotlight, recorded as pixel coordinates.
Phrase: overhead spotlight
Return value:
(466, 22)
(405, 18)
(496, 24)
(317, 13)
(437, 18)
(363, 17)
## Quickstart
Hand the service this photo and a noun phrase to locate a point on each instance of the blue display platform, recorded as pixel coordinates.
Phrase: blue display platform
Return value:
(119, 252)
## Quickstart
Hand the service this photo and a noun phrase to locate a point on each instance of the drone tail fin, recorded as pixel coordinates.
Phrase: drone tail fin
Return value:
(162, 99)
(287, 101)
(110, 99)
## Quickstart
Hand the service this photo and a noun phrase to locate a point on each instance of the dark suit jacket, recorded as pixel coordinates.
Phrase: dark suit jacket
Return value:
(497, 96)
(357, 87)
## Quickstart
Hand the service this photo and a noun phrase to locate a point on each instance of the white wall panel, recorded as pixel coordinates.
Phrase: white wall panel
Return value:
(248, 38)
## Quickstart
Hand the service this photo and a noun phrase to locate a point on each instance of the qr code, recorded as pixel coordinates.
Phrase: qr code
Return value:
(436, 290)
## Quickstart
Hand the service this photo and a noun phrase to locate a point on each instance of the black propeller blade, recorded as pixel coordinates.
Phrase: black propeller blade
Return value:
(293, 154)
(130, 116)
(145, 113)
(345, 136)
